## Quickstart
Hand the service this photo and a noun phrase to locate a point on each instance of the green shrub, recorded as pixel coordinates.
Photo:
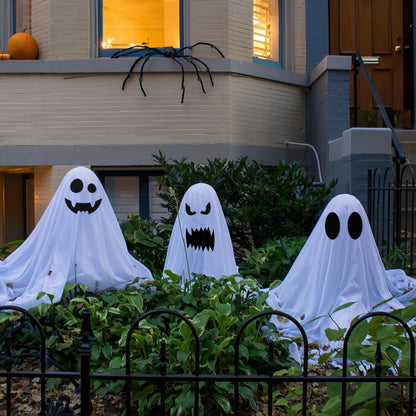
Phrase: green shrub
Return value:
(217, 309)
(271, 262)
(147, 241)
(259, 202)
(7, 248)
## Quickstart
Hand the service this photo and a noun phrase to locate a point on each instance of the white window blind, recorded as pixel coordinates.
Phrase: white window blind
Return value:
(265, 29)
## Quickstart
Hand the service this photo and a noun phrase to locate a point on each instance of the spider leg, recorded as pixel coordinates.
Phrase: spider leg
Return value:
(148, 56)
(192, 58)
(191, 61)
(183, 76)
(130, 73)
(201, 43)
(126, 52)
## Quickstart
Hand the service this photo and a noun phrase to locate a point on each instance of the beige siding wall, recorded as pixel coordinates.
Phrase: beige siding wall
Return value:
(300, 37)
(209, 23)
(266, 113)
(91, 110)
(55, 109)
(240, 27)
(61, 28)
(47, 180)
(42, 26)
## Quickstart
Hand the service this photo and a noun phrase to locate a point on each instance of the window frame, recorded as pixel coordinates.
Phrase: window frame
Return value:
(143, 175)
(7, 23)
(108, 52)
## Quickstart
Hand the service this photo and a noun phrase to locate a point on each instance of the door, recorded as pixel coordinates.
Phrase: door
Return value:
(380, 31)
(16, 207)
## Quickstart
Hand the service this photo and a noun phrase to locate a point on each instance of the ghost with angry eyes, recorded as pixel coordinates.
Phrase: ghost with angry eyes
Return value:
(200, 242)
(77, 240)
(338, 264)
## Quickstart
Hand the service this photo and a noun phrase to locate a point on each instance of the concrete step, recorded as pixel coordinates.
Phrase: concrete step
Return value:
(407, 139)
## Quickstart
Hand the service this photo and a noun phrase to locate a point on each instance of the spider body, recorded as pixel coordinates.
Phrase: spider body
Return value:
(176, 55)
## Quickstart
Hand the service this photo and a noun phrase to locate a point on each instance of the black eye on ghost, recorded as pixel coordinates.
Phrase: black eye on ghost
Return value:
(206, 211)
(333, 225)
(76, 187)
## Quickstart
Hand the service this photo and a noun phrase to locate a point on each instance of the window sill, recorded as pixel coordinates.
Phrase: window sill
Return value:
(156, 65)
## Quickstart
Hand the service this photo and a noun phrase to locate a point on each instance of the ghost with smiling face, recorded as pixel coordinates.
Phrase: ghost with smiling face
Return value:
(338, 264)
(200, 242)
(77, 240)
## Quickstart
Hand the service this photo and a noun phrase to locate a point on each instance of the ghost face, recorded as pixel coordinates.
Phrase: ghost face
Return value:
(202, 236)
(333, 225)
(82, 196)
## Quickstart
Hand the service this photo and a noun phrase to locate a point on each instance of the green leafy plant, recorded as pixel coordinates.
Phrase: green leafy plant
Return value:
(8, 248)
(259, 202)
(272, 261)
(399, 258)
(216, 308)
(147, 241)
(394, 352)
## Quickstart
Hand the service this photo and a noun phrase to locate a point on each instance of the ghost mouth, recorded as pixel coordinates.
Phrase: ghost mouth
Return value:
(201, 238)
(83, 206)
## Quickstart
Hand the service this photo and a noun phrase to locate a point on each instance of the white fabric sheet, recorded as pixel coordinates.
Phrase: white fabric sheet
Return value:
(77, 240)
(339, 263)
(200, 242)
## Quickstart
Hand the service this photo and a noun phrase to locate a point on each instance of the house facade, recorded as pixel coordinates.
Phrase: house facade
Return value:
(276, 88)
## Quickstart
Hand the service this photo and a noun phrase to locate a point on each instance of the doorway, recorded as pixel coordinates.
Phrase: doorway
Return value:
(17, 206)
(381, 31)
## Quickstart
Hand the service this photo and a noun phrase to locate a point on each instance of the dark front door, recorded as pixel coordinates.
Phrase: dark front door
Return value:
(380, 30)
(17, 219)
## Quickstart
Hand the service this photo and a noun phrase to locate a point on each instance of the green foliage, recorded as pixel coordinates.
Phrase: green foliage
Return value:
(7, 248)
(271, 262)
(217, 310)
(147, 241)
(362, 351)
(259, 202)
(399, 258)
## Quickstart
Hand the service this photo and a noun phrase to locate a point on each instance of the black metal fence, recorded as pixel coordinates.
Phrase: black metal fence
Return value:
(10, 353)
(391, 211)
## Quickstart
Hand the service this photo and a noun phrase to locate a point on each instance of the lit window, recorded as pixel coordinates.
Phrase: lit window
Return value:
(125, 23)
(266, 30)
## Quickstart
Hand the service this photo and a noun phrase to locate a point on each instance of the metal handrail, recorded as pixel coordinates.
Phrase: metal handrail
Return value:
(357, 62)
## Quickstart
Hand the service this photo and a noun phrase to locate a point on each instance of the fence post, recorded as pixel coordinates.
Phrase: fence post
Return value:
(86, 337)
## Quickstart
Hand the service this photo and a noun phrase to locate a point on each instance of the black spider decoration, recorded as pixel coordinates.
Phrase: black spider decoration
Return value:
(175, 54)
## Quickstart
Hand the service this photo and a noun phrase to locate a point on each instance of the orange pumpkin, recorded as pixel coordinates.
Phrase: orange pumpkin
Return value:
(22, 45)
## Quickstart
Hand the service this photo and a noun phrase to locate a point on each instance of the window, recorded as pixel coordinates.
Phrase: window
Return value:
(15, 16)
(22, 16)
(124, 23)
(133, 192)
(266, 32)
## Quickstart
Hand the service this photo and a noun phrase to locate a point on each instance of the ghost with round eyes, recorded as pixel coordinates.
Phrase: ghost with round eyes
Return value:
(77, 240)
(338, 264)
(200, 242)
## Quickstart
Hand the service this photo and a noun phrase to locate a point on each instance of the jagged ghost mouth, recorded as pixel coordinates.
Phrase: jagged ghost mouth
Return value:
(202, 239)
(83, 206)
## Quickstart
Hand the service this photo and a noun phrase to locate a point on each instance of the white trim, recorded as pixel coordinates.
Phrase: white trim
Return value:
(6, 23)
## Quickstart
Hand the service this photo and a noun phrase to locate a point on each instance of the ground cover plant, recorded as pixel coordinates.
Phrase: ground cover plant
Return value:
(267, 243)
(216, 308)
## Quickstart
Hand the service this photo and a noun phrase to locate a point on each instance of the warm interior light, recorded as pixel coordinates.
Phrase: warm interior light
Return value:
(265, 41)
(154, 23)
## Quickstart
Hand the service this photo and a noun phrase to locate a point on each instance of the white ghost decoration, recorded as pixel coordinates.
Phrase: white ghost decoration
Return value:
(77, 240)
(338, 264)
(200, 242)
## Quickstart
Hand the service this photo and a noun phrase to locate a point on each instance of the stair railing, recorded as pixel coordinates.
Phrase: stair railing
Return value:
(399, 157)
(357, 62)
